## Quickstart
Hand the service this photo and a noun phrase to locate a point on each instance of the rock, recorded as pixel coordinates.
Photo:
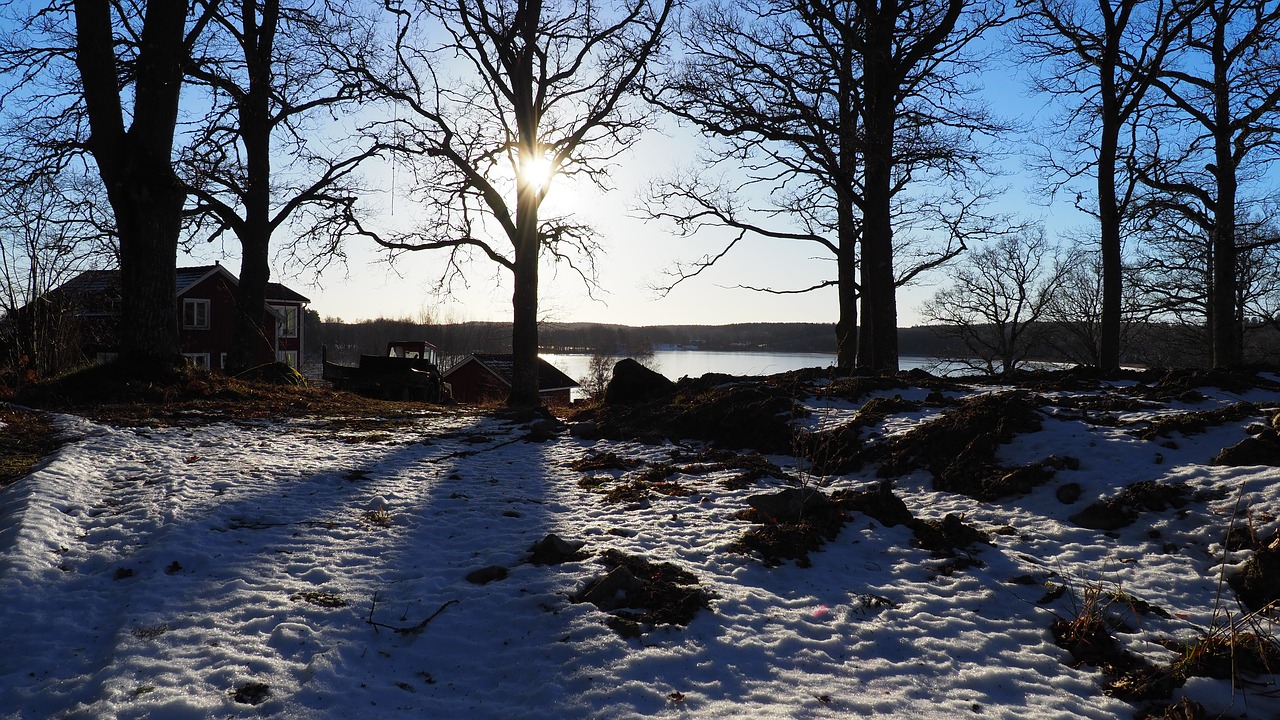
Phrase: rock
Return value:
(487, 574)
(788, 506)
(881, 505)
(633, 383)
(586, 429)
(553, 550)
(1068, 493)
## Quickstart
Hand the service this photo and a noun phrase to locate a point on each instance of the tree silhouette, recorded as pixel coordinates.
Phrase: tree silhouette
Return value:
(839, 112)
(516, 94)
(255, 163)
(1222, 96)
(1101, 57)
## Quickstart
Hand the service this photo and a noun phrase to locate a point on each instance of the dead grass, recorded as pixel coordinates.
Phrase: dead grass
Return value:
(166, 396)
(26, 438)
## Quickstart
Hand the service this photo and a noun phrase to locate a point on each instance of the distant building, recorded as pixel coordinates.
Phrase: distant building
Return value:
(206, 306)
(486, 377)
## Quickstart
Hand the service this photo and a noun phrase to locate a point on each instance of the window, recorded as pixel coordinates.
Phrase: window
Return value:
(195, 314)
(222, 361)
(289, 323)
(288, 357)
(200, 361)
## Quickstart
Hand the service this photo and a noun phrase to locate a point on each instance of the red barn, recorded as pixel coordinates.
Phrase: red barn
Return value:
(486, 377)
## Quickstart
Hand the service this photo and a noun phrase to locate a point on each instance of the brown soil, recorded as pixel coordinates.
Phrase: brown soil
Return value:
(1197, 422)
(26, 438)
(1122, 509)
(959, 448)
(132, 396)
(641, 595)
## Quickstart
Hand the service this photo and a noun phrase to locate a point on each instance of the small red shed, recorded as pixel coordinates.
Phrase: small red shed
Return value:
(486, 377)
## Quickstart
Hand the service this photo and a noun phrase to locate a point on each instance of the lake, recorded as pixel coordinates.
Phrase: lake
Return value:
(676, 364)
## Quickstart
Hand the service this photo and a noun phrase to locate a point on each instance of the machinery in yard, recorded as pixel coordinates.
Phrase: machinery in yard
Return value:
(409, 371)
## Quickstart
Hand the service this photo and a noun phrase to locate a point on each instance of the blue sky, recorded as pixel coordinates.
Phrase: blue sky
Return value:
(636, 255)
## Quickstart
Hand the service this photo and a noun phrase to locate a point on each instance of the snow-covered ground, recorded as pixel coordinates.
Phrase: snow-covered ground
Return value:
(260, 570)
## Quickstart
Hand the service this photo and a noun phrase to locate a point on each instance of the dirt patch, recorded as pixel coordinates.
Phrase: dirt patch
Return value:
(26, 438)
(959, 448)
(603, 461)
(789, 525)
(641, 595)
(731, 412)
(1260, 449)
(183, 396)
(1123, 509)
(1193, 423)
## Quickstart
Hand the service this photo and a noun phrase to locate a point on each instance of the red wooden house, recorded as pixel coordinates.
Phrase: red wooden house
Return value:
(486, 377)
(206, 308)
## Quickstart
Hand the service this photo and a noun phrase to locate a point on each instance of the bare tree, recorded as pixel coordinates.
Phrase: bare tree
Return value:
(514, 95)
(263, 157)
(840, 112)
(48, 235)
(134, 160)
(1101, 57)
(1177, 275)
(102, 79)
(1223, 95)
(997, 297)
(1074, 315)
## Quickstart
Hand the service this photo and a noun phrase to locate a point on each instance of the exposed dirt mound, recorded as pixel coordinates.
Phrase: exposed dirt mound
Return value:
(1193, 423)
(641, 595)
(728, 411)
(1173, 383)
(790, 524)
(1124, 508)
(959, 448)
(1260, 449)
(1258, 583)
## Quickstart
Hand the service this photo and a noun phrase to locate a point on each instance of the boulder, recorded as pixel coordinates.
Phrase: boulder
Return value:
(633, 383)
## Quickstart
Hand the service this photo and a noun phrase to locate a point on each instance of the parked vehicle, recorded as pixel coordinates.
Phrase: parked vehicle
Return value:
(409, 371)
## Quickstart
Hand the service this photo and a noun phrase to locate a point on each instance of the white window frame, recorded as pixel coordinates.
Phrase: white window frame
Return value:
(289, 323)
(288, 357)
(195, 314)
(222, 361)
(198, 360)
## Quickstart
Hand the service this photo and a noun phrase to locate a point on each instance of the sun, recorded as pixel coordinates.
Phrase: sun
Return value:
(536, 171)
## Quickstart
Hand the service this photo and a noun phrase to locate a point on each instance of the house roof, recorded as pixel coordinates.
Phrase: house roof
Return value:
(499, 365)
(108, 282)
(188, 277)
(96, 282)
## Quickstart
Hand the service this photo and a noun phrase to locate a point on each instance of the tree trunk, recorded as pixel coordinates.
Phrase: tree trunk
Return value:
(250, 340)
(879, 348)
(847, 235)
(1227, 335)
(1109, 213)
(524, 303)
(136, 166)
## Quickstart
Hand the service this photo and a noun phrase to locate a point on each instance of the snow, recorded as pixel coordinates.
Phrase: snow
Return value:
(156, 572)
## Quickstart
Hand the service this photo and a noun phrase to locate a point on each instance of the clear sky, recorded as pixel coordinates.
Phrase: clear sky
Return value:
(636, 255)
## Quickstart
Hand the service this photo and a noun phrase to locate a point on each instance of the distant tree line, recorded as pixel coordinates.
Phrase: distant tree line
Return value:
(1049, 339)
